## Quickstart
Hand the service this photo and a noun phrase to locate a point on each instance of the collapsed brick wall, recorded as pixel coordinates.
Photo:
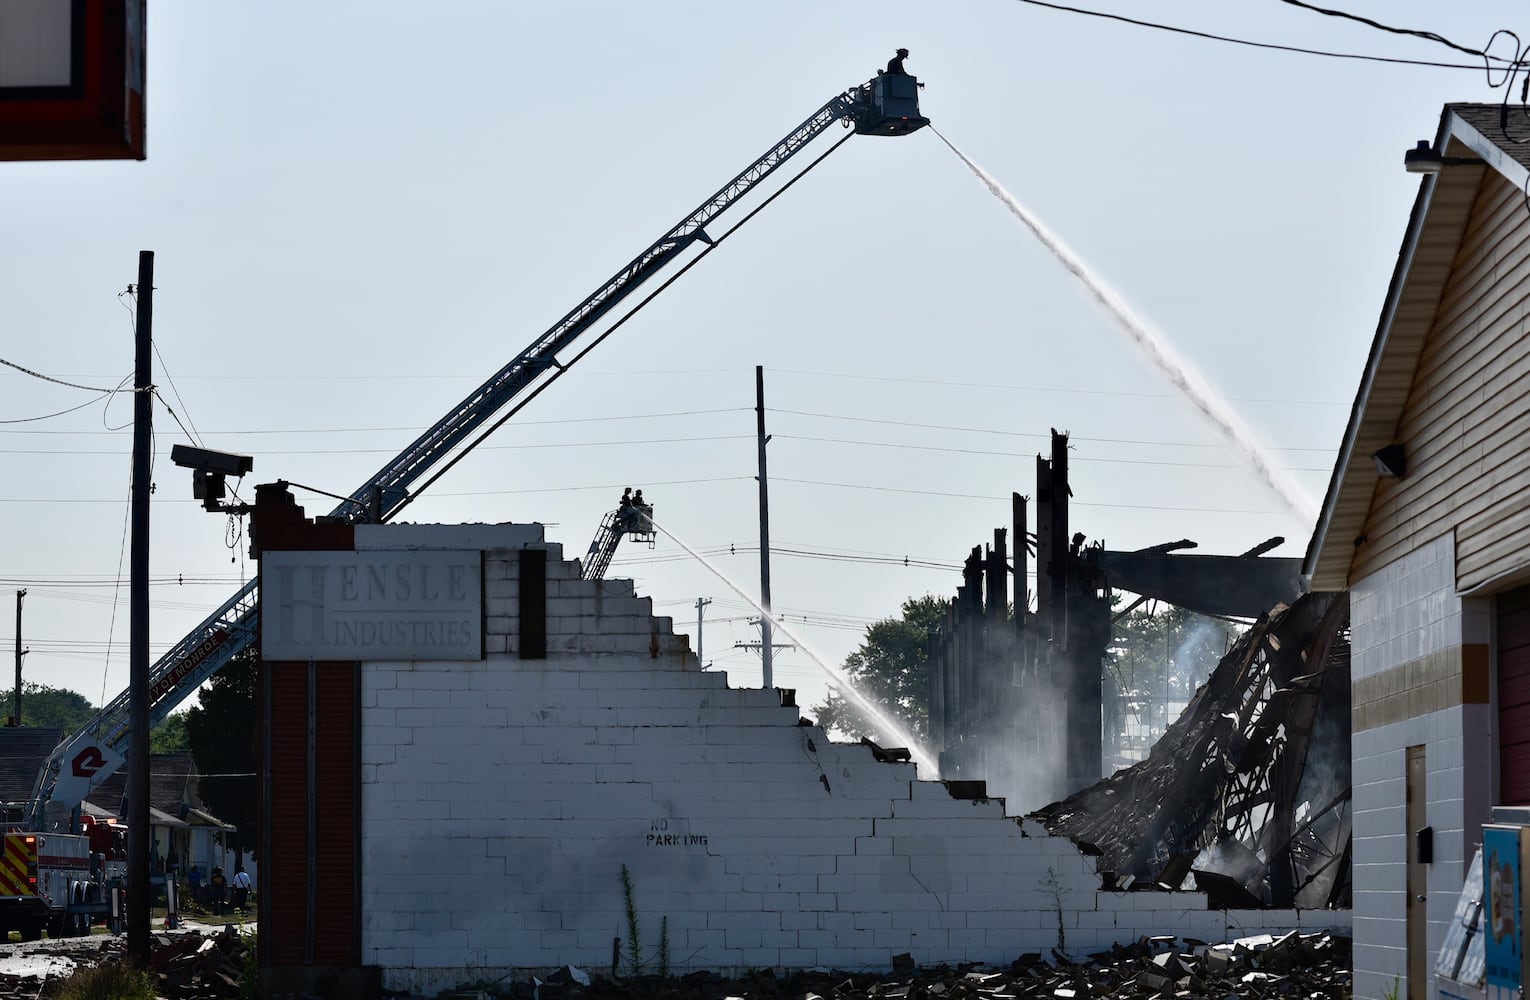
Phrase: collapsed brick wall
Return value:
(502, 798)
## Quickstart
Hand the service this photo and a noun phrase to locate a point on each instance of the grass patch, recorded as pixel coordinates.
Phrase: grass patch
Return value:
(107, 981)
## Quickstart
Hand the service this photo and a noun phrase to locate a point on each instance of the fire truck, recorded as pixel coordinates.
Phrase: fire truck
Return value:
(62, 882)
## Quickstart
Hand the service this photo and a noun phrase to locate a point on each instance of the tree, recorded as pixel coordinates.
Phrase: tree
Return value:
(891, 670)
(220, 730)
(170, 735)
(57, 708)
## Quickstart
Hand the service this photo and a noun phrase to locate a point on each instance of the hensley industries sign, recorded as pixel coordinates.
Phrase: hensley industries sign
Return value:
(375, 605)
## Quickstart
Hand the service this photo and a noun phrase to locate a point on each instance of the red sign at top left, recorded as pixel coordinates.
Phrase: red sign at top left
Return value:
(72, 79)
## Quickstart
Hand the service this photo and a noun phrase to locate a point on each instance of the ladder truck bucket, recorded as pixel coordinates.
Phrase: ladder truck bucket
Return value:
(889, 105)
(636, 522)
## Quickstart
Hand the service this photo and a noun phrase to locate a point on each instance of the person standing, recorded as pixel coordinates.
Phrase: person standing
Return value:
(217, 888)
(895, 64)
(242, 886)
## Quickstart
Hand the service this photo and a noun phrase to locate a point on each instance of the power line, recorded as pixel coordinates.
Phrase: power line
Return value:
(1023, 434)
(416, 429)
(979, 496)
(50, 378)
(730, 550)
(946, 449)
(166, 369)
(389, 450)
(1036, 388)
(1426, 35)
(1247, 42)
(49, 416)
(112, 581)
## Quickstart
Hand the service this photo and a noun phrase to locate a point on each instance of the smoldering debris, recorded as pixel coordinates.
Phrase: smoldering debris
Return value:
(1247, 796)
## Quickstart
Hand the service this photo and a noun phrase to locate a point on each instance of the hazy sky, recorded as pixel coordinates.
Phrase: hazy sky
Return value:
(362, 210)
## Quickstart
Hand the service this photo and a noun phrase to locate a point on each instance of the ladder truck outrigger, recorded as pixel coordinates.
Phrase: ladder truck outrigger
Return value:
(887, 105)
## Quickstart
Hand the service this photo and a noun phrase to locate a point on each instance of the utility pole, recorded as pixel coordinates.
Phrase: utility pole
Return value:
(766, 666)
(138, 621)
(19, 654)
(760, 647)
(701, 605)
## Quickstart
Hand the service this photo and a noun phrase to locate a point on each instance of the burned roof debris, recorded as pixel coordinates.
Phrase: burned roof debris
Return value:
(1247, 796)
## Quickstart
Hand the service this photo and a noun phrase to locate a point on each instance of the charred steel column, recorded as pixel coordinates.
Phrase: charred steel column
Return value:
(1049, 700)
(1022, 560)
(1001, 645)
(1077, 659)
(1057, 541)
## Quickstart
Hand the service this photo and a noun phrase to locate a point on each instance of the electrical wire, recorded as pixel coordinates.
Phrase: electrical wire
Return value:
(978, 496)
(794, 553)
(114, 581)
(946, 449)
(1021, 434)
(50, 378)
(1247, 42)
(192, 434)
(646, 442)
(1426, 35)
(111, 627)
(107, 394)
(1036, 388)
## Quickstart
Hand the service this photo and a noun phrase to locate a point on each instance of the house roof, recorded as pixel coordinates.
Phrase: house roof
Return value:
(197, 817)
(22, 752)
(1433, 236)
(171, 777)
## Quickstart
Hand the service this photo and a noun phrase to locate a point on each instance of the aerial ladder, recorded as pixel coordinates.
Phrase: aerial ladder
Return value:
(886, 105)
(632, 519)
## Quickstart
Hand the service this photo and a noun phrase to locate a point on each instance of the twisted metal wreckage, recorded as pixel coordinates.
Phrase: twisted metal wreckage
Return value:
(1246, 797)
(1248, 794)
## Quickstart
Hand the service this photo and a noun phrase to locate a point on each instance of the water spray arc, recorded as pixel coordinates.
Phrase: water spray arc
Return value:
(1177, 371)
(920, 755)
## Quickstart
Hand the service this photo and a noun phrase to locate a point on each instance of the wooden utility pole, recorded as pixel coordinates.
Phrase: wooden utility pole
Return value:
(16, 721)
(701, 606)
(138, 621)
(767, 668)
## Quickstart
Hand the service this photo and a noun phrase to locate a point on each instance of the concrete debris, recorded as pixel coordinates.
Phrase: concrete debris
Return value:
(186, 966)
(1292, 966)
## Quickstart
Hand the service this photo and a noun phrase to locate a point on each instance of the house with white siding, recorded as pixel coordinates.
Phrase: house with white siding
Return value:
(1426, 523)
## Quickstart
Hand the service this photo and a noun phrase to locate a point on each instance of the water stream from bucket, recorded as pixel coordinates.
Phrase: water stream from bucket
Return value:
(886, 727)
(1178, 371)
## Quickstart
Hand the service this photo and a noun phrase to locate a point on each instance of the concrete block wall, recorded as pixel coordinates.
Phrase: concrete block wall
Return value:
(1404, 619)
(502, 798)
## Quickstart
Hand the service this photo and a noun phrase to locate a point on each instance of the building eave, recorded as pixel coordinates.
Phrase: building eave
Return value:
(1433, 236)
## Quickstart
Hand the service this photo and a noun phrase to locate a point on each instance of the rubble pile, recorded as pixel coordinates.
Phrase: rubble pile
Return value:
(193, 967)
(1291, 966)
(186, 966)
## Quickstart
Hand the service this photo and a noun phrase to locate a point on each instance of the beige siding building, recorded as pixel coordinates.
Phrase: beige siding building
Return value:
(1427, 524)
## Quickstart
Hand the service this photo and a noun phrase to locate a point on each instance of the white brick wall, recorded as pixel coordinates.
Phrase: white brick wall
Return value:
(1406, 610)
(501, 800)
(1403, 612)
